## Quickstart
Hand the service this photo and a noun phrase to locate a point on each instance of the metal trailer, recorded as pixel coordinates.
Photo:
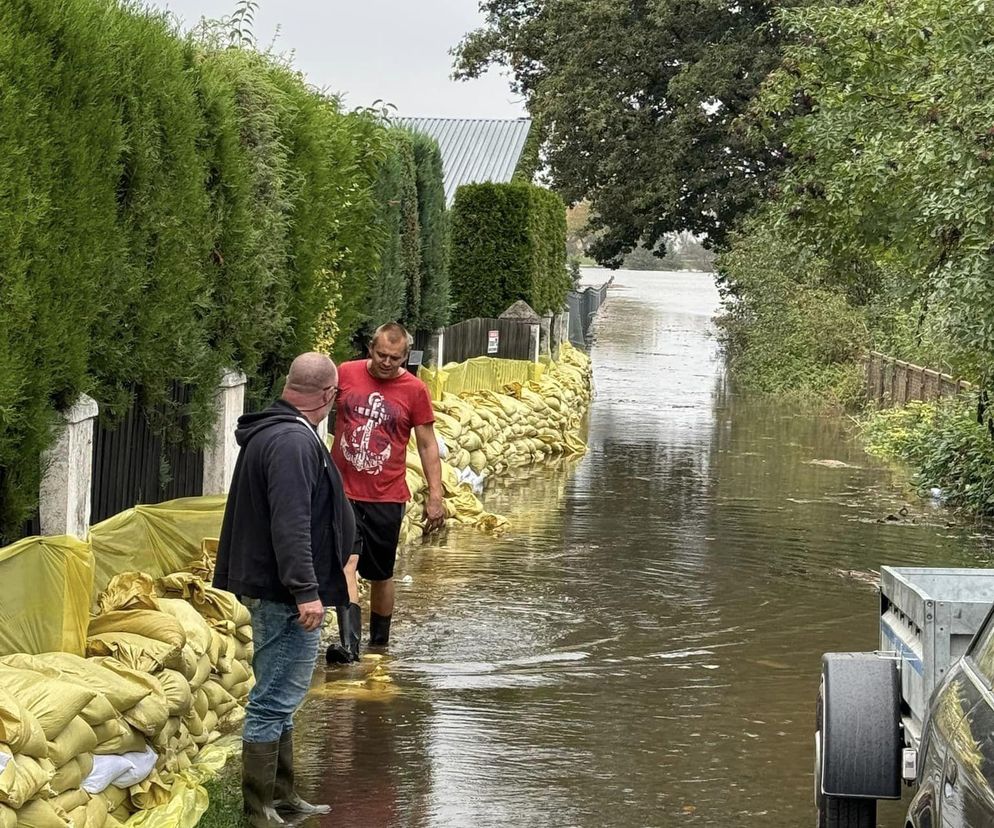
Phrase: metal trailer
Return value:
(872, 707)
(928, 617)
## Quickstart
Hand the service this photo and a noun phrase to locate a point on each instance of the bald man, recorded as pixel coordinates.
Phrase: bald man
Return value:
(287, 534)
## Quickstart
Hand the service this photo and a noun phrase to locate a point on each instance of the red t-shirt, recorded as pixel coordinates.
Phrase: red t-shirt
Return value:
(372, 429)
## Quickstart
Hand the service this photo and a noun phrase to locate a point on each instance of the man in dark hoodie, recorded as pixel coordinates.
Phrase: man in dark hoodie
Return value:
(287, 533)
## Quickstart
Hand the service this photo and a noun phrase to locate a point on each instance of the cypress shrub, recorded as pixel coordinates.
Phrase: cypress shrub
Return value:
(435, 310)
(395, 291)
(508, 243)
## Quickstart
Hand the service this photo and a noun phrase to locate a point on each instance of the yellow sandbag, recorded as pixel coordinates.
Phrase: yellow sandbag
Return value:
(8, 817)
(72, 773)
(96, 812)
(168, 732)
(213, 604)
(179, 698)
(113, 797)
(150, 793)
(196, 629)
(53, 702)
(116, 736)
(148, 716)
(235, 676)
(221, 701)
(77, 737)
(182, 806)
(160, 626)
(98, 710)
(79, 817)
(113, 681)
(122, 813)
(201, 702)
(134, 651)
(194, 724)
(112, 821)
(45, 588)
(477, 461)
(24, 779)
(71, 799)
(128, 590)
(11, 726)
(42, 814)
(203, 672)
(241, 691)
(244, 633)
(232, 720)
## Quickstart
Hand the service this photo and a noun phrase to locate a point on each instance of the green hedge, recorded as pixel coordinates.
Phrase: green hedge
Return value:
(412, 284)
(168, 207)
(435, 310)
(508, 243)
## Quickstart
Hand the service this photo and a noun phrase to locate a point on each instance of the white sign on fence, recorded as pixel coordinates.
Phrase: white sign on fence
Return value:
(493, 339)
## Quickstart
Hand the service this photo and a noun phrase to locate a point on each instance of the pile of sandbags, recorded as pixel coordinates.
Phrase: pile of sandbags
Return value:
(484, 433)
(88, 741)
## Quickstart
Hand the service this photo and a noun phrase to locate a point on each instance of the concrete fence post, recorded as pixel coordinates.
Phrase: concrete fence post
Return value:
(436, 349)
(221, 451)
(534, 348)
(67, 474)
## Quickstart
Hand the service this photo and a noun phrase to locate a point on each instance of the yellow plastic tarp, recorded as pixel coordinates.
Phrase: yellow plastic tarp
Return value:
(187, 798)
(45, 588)
(158, 540)
(479, 374)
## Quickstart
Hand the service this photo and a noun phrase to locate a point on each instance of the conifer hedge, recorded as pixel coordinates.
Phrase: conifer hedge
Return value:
(169, 207)
(412, 285)
(508, 243)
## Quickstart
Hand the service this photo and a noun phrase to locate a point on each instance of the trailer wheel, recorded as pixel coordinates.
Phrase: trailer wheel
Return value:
(837, 812)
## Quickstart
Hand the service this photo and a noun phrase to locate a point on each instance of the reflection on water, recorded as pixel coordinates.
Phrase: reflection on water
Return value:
(643, 647)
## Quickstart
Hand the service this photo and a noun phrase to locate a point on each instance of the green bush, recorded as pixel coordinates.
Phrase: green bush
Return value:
(435, 310)
(945, 447)
(395, 290)
(169, 207)
(508, 243)
(785, 329)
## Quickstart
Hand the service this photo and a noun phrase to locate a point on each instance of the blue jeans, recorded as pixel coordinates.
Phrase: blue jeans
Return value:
(283, 663)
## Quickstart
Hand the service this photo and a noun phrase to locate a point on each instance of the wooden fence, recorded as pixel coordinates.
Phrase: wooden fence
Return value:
(474, 337)
(892, 382)
(132, 465)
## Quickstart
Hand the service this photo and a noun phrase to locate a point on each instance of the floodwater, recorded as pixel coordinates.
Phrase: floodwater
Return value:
(643, 648)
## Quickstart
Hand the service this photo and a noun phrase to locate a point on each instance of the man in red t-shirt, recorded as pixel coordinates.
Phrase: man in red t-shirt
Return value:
(379, 404)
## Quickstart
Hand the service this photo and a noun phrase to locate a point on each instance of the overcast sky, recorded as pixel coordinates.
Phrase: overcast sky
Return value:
(393, 50)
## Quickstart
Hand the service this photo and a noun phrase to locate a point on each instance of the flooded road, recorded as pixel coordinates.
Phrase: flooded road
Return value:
(643, 648)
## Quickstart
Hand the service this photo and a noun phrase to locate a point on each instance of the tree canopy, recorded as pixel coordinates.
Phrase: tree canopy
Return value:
(638, 102)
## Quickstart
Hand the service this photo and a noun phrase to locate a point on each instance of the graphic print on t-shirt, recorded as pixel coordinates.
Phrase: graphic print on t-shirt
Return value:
(367, 446)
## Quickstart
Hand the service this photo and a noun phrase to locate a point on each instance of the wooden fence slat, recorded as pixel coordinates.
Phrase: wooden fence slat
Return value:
(893, 382)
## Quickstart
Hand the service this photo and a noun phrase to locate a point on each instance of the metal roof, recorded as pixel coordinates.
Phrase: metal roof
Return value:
(474, 149)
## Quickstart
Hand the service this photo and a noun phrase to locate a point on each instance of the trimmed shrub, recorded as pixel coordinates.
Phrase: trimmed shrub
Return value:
(508, 243)
(435, 310)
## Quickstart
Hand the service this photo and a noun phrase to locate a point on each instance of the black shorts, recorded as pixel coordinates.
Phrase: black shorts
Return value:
(377, 531)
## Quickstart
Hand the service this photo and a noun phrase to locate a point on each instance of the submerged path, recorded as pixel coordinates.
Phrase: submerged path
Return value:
(643, 648)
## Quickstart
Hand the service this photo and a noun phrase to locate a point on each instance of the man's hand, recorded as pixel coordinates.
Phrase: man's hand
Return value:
(434, 513)
(311, 615)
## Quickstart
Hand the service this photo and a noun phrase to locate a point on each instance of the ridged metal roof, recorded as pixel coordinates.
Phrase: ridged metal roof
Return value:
(474, 149)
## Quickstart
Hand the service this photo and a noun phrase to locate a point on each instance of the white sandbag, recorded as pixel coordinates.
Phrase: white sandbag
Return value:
(120, 770)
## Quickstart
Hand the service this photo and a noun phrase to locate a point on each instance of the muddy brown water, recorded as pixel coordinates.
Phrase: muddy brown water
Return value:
(643, 648)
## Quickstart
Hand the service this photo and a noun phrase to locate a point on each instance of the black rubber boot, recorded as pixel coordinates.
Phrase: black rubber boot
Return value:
(349, 634)
(285, 798)
(379, 629)
(259, 760)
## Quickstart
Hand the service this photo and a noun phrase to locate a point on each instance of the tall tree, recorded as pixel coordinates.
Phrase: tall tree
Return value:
(639, 101)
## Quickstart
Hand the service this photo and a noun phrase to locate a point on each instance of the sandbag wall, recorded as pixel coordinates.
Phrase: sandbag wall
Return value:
(88, 741)
(493, 424)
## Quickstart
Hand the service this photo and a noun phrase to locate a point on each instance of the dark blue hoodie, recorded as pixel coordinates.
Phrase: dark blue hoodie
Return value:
(288, 528)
